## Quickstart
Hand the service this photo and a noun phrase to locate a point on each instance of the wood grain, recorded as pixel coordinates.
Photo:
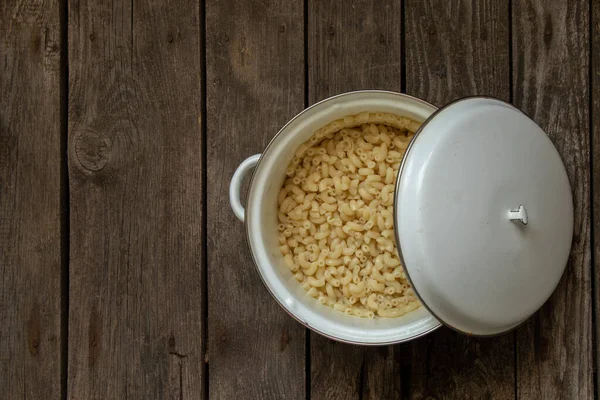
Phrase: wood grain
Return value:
(30, 200)
(353, 45)
(135, 170)
(595, 188)
(551, 84)
(255, 84)
(455, 49)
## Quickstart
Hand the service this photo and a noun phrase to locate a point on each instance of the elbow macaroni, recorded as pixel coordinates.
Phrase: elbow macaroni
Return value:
(336, 215)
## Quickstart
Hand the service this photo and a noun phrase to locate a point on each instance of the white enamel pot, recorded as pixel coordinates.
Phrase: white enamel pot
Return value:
(483, 215)
(260, 218)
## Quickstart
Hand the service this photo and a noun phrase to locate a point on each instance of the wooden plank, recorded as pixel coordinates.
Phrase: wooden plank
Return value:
(456, 49)
(595, 142)
(135, 170)
(255, 84)
(550, 81)
(353, 45)
(30, 200)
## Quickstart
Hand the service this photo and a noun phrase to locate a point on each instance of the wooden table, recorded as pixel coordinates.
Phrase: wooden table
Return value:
(123, 272)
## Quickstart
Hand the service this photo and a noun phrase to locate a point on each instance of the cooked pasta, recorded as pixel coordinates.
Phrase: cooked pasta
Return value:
(336, 215)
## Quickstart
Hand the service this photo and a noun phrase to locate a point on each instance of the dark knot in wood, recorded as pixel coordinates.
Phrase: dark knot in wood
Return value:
(92, 151)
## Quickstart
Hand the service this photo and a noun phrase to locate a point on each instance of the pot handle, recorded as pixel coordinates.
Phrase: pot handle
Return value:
(236, 183)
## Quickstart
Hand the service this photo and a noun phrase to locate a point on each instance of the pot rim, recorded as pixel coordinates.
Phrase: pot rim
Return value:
(247, 227)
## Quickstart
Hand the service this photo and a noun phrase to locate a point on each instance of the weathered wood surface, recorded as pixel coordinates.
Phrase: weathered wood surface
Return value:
(136, 193)
(30, 200)
(595, 160)
(255, 83)
(551, 84)
(155, 308)
(456, 49)
(353, 45)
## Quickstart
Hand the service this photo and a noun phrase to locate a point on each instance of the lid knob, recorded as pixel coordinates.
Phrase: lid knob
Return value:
(519, 215)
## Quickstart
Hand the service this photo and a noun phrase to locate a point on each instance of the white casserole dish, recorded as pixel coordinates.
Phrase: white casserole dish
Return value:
(260, 218)
(261, 221)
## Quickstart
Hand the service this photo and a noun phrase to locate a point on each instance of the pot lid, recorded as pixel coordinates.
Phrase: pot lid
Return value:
(484, 216)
